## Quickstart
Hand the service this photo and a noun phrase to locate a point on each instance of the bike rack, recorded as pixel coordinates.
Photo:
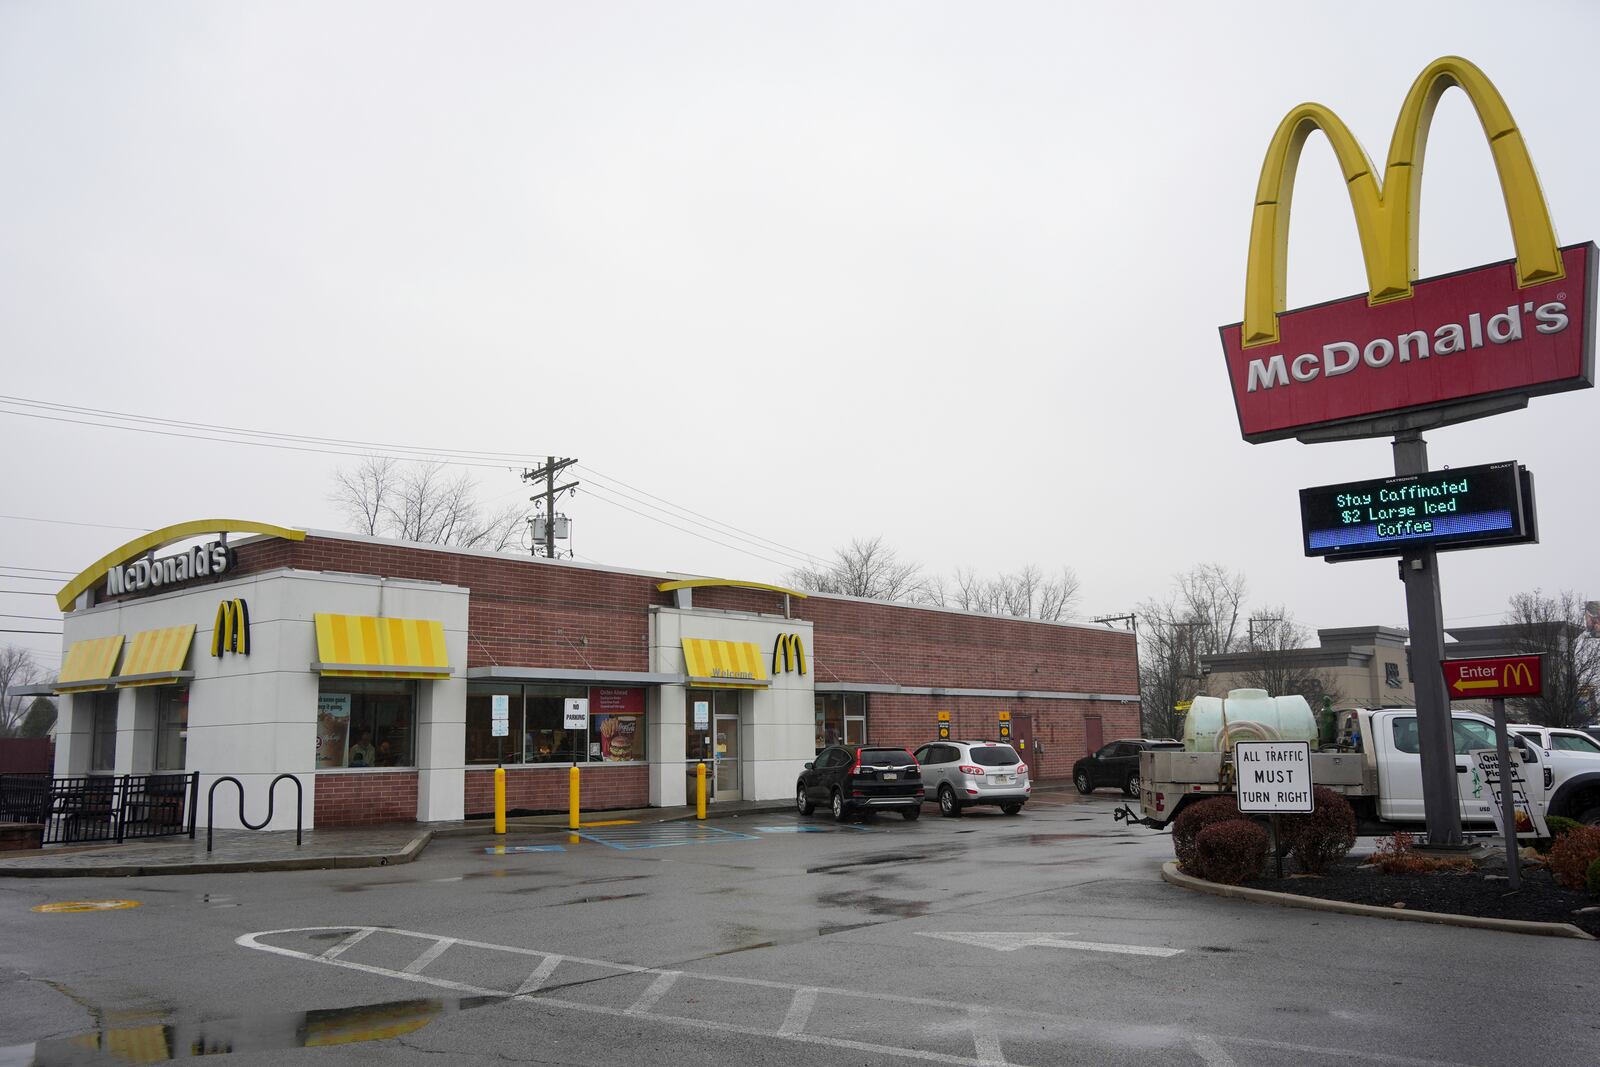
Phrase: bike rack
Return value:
(299, 805)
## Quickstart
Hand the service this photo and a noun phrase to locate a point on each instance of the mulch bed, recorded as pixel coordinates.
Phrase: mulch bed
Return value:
(1471, 893)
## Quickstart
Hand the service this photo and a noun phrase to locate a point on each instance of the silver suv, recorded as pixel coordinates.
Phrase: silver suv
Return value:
(959, 773)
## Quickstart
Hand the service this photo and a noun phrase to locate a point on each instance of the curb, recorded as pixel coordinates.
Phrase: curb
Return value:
(1171, 874)
(408, 854)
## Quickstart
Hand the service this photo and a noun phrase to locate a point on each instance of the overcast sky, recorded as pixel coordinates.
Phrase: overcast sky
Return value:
(946, 272)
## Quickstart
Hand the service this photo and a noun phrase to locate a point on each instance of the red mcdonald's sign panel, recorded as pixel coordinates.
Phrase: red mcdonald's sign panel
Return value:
(1502, 676)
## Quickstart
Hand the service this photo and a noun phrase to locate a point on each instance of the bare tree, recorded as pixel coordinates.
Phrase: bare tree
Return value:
(422, 502)
(1213, 597)
(1272, 664)
(1200, 617)
(1026, 594)
(17, 668)
(362, 492)
(1553, 625)
(864, 568)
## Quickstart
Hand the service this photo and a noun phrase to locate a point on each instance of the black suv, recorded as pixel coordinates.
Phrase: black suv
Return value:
(851, 778)
(1116, 764)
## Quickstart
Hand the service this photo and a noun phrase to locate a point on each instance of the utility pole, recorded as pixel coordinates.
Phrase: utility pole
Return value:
(547, 473)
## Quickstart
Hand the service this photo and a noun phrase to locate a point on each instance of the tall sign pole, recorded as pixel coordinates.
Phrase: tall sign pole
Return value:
(1425, 618)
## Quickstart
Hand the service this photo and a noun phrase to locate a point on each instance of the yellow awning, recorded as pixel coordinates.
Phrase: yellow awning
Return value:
(365, 646)
(89, 665)
(155, 657)
(726, 664)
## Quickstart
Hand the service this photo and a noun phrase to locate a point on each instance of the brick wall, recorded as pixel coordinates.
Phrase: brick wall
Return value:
(910, 721)
(544, 789)
(366, 797)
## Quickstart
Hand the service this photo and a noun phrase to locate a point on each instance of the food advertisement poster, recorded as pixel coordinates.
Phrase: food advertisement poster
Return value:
(620, 736)
(333, 728)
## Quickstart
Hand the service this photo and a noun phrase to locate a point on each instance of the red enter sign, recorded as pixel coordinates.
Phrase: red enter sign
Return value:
(1503, 676)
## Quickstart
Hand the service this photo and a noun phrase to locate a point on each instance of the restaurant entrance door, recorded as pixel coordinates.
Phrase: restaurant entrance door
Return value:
(711, 734)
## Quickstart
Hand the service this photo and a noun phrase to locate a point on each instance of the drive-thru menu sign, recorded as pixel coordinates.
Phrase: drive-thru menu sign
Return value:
(1273, 777)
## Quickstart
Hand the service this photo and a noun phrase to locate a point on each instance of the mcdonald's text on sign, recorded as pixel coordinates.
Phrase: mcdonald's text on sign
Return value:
(1502, 676)
(1509, 330)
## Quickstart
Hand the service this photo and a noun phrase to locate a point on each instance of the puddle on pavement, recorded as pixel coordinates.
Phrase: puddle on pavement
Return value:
(875, 905)
(181, 1039)
(1051, 839)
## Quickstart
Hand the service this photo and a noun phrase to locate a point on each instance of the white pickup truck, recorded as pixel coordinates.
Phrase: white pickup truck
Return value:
(1374, 761)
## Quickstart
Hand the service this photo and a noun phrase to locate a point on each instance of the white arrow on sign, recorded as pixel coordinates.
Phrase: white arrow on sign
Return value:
(1006, 941)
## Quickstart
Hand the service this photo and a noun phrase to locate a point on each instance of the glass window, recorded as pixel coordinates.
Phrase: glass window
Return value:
(366, 722)
(172, 727)
(103, 743)
(1471, 735)
(1405, 736)
(995, 756)
(545, 737)
(1107, 752)
(841, 719)
(482, 745)
(1573, 743)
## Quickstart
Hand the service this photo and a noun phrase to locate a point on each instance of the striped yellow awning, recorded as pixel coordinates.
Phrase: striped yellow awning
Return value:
(155, 657)
(725, 664)
(365, 646)
(89, 665)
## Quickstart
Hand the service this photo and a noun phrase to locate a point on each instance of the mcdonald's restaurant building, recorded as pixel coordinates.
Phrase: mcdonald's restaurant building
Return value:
(392, 678)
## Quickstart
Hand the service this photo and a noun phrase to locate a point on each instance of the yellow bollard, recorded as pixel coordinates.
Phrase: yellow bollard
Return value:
(499, 800)
(572, 798)
(700, 790)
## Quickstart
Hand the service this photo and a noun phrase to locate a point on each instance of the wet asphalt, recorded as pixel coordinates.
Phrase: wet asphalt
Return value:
(1046, 938)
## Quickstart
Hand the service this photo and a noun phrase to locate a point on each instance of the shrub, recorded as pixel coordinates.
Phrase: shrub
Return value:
(1594, 877)
(1194, 818)
(1558, 824)
(1322, 837)
(1572, 855)
(1231, 851)
(1396, 854)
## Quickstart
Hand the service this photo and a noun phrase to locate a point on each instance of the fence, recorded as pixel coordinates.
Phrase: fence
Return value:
(102, 807)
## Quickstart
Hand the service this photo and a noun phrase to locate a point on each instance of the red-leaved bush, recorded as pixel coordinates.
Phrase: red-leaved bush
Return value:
(1322, 837)
(1230, 852)
(1194, 818)
(1572, 854)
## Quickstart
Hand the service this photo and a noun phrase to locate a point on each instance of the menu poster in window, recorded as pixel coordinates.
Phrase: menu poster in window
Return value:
(333, 728)
(619, 736)
(613, 701)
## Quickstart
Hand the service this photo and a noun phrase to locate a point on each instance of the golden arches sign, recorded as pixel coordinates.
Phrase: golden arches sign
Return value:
(791, 649)
(1386, 213)
(160, 539)
(231, 633)
(1517, 674)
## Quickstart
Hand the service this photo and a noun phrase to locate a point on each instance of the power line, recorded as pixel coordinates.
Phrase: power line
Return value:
(31, 577)
(594, 494)
(40, 618)
(68, 522)
(25, 592)
(788, 549)
(51, 570)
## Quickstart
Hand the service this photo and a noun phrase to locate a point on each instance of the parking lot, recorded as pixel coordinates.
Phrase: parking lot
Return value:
(1042, 938)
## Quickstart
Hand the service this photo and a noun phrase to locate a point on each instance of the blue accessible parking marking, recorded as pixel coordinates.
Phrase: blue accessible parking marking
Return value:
(661, 835)
(791, 829)
(508, 850)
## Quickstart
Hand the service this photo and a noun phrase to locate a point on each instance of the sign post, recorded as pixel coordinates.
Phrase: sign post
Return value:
(1270, 778)
(1498, 678)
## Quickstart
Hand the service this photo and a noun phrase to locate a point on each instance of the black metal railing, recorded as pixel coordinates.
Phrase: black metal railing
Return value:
(101, 807)
(299, 806)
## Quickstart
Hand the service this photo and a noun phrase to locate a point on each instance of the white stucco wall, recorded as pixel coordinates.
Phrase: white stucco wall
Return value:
(254, 716)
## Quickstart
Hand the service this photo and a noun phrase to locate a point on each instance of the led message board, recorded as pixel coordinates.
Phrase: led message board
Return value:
(1468, 507)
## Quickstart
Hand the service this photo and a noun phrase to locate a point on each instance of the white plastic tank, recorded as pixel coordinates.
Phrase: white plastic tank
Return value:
(1215, 723)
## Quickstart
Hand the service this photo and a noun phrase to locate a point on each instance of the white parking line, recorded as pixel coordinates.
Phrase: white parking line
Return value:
(987, 1025)
(799, 1013)
(657, 990)
(432, 953)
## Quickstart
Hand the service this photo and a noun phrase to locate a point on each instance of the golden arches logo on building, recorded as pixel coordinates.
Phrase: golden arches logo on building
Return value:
(792, 650)
(232, 630)
(1517, 674)
(1386, 210)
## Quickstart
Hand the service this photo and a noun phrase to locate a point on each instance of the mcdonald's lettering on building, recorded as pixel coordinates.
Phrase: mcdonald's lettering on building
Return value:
(1508, 330)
